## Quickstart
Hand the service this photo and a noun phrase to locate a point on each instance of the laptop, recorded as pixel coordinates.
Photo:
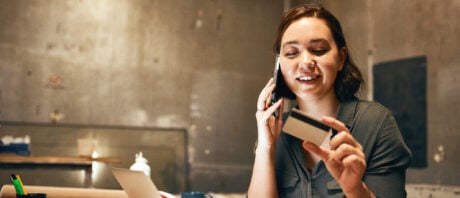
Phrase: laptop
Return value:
(136, 183)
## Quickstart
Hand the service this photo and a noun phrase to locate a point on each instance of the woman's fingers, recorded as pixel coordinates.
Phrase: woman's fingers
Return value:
(346, 150)
(343, 152)
(334, 123)
(264, 95)
(339, 160)
(270, 110)
(345, 160)
(323, 153)
(344, 147)
(356, 163)
(280, 113)
(343, 136)
(268, 126)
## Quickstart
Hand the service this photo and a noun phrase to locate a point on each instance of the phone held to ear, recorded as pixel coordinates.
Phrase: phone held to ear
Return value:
(277, 79)
(275, 97)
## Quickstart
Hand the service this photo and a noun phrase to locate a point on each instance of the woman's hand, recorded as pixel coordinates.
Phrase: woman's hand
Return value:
(345, 161)
(268, 126)
(263, 179)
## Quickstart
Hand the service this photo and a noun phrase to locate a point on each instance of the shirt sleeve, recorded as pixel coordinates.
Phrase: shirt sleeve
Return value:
(386, 169)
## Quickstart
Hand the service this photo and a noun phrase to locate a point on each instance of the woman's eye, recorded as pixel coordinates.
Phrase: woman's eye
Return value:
(319, 51)
(290, 54)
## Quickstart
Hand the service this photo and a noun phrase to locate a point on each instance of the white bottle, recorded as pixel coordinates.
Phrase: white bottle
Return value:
(140, 164)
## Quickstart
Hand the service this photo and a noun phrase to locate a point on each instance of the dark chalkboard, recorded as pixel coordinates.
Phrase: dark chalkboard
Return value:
(400, 85)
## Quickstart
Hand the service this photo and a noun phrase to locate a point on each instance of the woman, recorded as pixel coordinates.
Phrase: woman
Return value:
(365, 158)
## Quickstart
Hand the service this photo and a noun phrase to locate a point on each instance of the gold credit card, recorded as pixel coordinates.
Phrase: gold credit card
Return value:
(304, 127)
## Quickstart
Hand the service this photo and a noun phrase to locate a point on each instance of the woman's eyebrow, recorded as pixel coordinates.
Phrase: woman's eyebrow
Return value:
(319, 41)
(290, 43)
(313, 41)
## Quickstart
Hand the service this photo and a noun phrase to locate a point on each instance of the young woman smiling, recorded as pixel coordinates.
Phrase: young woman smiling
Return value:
(367, 156)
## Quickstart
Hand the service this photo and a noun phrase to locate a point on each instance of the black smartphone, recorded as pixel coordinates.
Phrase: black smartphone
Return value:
(281, 89)
(277, 77)
(279, 83)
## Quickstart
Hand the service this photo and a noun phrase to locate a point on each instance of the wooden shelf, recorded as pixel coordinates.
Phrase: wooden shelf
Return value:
(85, 163)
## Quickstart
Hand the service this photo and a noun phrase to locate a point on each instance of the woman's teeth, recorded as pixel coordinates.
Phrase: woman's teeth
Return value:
(307, 78)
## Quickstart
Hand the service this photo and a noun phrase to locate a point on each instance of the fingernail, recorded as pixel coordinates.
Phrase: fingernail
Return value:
(307, 144)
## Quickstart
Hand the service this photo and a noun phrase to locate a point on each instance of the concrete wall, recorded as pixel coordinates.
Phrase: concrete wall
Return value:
(385, 30)
(195, 64)
(200, 65)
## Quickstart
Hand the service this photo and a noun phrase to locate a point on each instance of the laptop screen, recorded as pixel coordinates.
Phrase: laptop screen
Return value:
(136, 183)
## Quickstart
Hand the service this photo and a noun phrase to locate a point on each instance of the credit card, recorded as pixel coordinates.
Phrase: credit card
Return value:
(304, 127)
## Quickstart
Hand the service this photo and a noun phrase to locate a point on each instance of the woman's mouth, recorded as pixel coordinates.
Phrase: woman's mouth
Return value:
(308, 78)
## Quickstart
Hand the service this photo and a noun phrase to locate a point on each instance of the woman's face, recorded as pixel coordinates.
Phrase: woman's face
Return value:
(310, 59)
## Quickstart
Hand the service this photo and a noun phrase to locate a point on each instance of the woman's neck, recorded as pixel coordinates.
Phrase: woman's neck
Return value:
(319, 107)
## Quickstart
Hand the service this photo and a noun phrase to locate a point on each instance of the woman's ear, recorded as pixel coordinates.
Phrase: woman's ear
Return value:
(342, 57)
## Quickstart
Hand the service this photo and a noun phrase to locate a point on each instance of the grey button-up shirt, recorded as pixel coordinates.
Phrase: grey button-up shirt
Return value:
(387, 156)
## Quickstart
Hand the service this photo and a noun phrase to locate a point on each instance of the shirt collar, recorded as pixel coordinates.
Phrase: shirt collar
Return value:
(347, 112)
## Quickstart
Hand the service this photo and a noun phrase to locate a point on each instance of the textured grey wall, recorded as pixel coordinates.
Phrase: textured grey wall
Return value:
(384, 30)
(200, 65)
(195, 64)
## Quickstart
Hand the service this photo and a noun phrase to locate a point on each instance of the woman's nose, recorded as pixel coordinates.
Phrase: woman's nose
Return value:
(307, 61)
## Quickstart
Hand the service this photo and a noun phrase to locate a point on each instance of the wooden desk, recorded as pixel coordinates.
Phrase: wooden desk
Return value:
(61, 161)
(7, 191)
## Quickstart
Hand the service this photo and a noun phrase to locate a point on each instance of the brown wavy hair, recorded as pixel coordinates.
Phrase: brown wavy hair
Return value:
(349, 79)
